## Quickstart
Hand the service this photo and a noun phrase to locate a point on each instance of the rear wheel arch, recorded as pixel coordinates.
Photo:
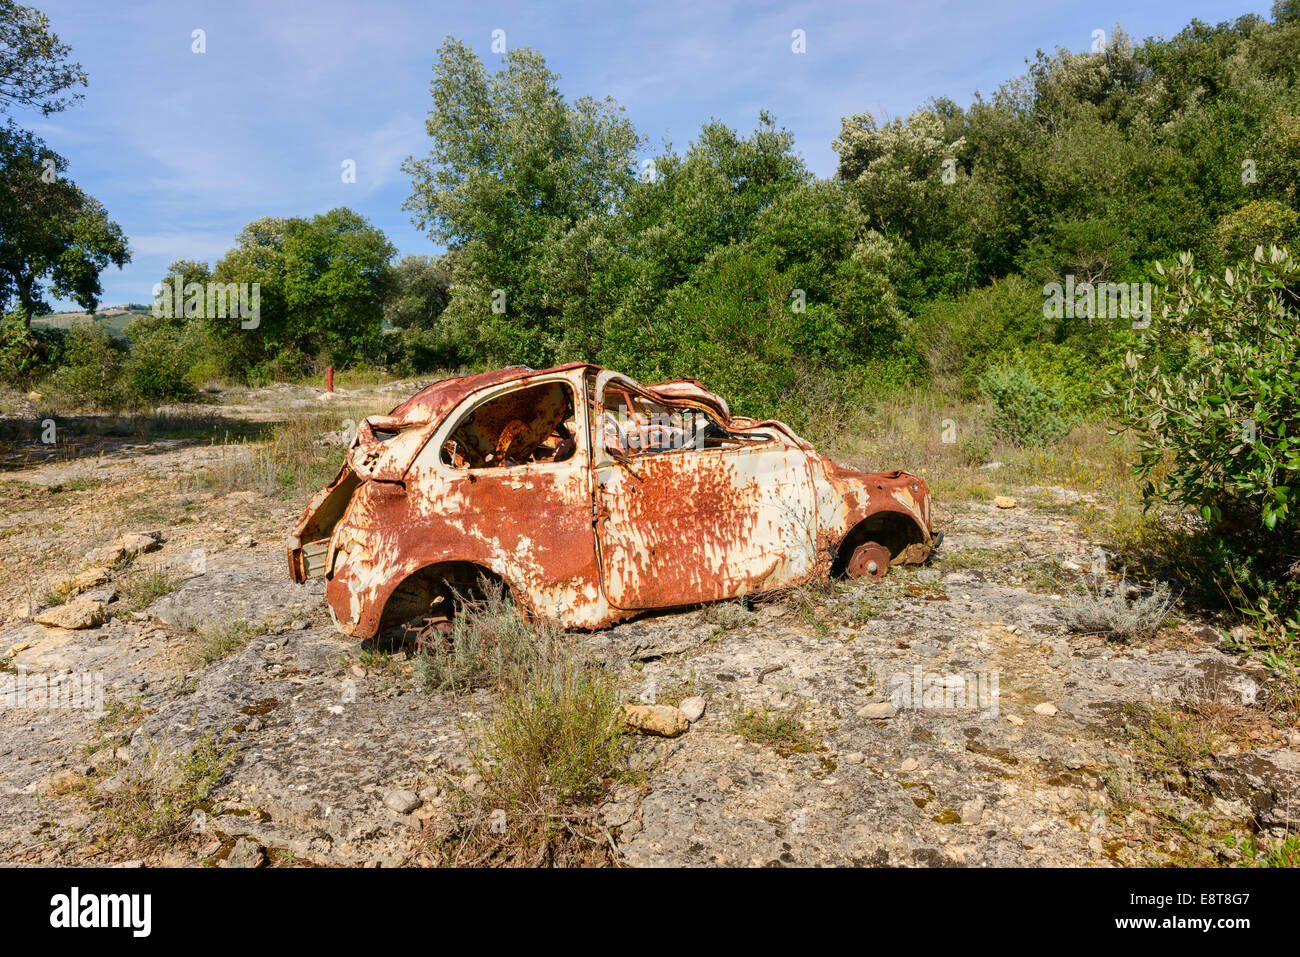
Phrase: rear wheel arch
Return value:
(439, 585)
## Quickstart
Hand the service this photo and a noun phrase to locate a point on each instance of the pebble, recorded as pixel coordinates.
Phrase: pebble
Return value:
(1046, 708)
(693, 708)
(877, 709)
(972, 812)
(402, 801)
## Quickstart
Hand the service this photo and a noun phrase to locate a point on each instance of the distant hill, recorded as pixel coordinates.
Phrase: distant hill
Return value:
(113, 318)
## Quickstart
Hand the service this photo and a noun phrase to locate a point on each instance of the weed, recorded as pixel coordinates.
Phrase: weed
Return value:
(782, 731)
(153, 807)
(1107, 611)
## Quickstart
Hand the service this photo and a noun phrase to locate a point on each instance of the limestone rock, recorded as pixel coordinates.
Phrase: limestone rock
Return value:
(660, 719)
(246, 853)
(693, 708)
(402, 801)
(75, 615)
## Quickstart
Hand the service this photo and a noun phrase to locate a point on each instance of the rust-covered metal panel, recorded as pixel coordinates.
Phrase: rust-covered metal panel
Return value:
(593, 498)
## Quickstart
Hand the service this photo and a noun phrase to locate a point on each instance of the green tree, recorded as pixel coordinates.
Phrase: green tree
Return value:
(512, 168)
(34, 67)
(322, 283)
(50, 231)
(420, 292)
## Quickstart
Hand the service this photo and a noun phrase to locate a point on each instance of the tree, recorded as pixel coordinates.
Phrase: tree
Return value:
(421, 291)
(34, 67)
(512, 168)
(321, 287)
(50, 231)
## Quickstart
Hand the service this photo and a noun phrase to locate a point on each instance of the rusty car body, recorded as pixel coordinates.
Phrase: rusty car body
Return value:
(592, 498)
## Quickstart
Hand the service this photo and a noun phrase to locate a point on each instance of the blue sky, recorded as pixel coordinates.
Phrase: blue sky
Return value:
(184, 149)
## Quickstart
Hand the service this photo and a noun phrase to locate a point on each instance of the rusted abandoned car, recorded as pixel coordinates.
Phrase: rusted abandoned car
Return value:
(592, 498)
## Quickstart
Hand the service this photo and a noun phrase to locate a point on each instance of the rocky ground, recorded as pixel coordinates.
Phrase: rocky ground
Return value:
(818, 743)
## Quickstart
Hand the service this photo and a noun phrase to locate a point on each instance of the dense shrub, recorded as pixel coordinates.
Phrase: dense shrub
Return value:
(90, 375)
(26, 355)
(960, 337)
(1023, 410)
(162, 357)
(1213, 391)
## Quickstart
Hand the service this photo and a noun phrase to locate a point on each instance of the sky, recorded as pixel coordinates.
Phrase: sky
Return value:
(184, 148)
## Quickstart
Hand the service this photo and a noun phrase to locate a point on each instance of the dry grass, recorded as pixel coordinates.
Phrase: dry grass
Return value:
(553, 745)
(932, 432)
(153, 807)
(290, 460)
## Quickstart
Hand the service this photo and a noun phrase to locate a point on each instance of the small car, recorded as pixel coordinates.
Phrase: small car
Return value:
(591, 498)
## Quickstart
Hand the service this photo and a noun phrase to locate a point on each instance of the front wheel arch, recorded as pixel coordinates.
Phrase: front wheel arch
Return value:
(896, 531)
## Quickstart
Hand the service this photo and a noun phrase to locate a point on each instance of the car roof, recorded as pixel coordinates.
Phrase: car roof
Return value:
(436, 400)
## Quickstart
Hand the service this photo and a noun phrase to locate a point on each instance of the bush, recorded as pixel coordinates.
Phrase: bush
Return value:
(1023, 410)
(90, 375)
(162, 357)
(26, 354)
(960, 337)
(1212, 392)
(1075, 375)
(415, 351)
(489, 642)
(1107, 611)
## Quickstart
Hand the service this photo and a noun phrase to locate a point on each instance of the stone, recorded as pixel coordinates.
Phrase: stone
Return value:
(909, 764)
(1047, 709)
(661, 719)
(245, 853)
(60, 782)
(854, 757)
(402, 801)
(1004, 501)
(138, 542)
(617, 813)
(693, 708)
(244, 541)
(90, 578)
(127, 546)
(75, 615)
(1015, 719)
(972, 812)
(881, 710)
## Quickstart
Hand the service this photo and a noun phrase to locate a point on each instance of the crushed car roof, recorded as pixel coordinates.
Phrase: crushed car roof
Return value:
(434, 401)
(437, 399)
